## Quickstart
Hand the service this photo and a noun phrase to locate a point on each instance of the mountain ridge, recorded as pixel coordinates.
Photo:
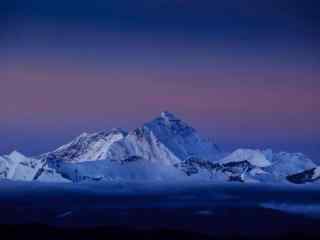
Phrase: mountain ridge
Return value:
(166, 146)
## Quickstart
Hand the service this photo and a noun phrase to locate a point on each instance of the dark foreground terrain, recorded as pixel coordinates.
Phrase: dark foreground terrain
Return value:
(157, 211)
(107, 232)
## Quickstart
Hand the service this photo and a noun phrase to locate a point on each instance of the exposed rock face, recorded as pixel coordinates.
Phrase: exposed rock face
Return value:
(308, 176)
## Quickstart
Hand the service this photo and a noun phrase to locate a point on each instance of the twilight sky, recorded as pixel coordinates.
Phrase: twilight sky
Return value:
(244, 72)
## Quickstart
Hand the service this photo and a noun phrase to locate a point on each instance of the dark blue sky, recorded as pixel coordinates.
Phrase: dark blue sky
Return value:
(295, 22)
(244, 72)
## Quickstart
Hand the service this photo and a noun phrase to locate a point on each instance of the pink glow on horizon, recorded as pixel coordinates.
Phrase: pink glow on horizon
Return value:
(45, 96)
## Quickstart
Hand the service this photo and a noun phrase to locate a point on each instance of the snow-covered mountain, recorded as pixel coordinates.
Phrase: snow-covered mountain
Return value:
(166, 139)
(16, 166)
(248, 165)
(165, 148)
(285, 164)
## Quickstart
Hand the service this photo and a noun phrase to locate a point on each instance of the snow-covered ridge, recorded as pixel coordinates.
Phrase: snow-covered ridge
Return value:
(254, 157)
(166, 148)
(86, 147)
(16, 166)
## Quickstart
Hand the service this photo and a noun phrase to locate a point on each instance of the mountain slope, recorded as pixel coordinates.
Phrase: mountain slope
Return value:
(131, 169)
(181, 139)
(16, 166)
(86, 147)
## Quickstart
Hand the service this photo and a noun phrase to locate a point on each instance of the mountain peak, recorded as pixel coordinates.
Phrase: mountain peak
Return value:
(179, 137)
(168, 116)
(167, 123)
(16, 154)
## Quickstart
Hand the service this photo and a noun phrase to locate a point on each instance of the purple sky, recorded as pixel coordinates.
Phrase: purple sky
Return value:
(236, 83)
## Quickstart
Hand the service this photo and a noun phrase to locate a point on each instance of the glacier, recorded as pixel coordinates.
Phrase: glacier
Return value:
(163, 149)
